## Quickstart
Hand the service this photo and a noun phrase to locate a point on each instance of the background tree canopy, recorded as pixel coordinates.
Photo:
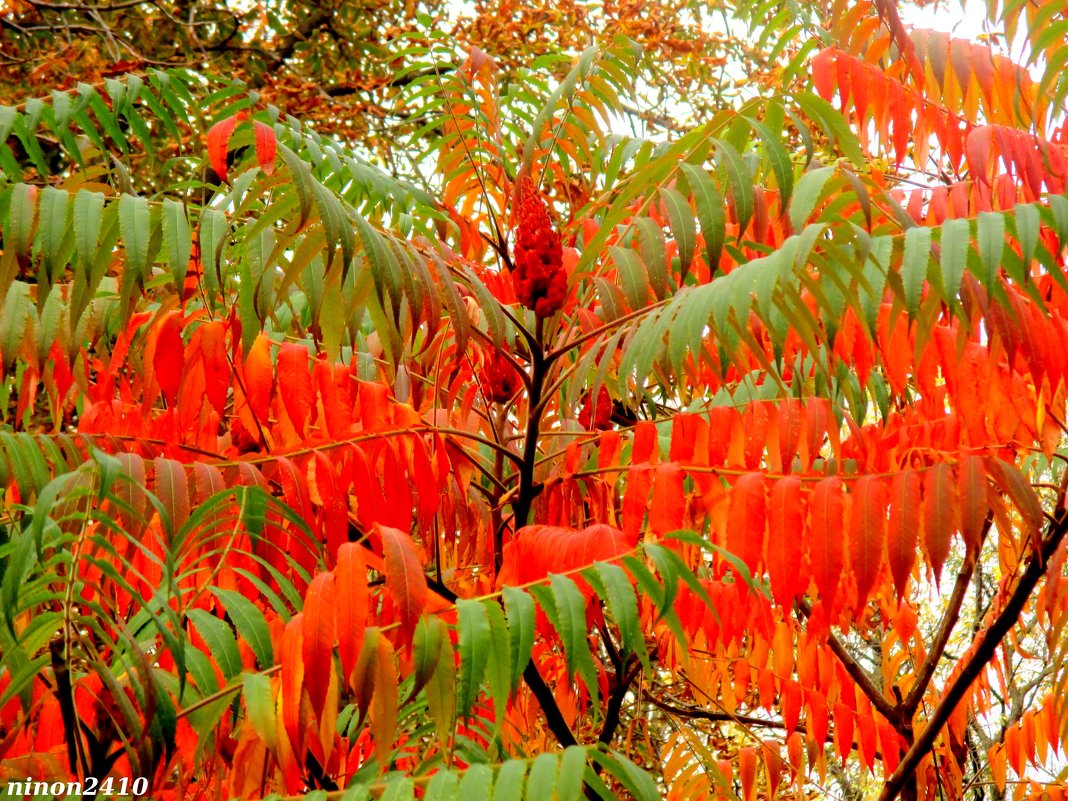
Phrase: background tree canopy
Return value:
(621, 400)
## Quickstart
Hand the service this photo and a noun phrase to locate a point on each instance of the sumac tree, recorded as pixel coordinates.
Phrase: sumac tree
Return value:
(726, 462)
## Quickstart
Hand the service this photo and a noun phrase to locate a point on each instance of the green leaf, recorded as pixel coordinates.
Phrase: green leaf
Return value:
(426, 650)
(730, 161)
(213, 231)
(572, 771)
(473, 629)
(510, 781)
(259, 701)
(780, 162)
(135, 224)
(303, 182)
(654, 254)
(1026, 219)
(520, 610)
(991, 236)
(570, 624)
(16, 316)
(680, 216)
(220, 641)
(441, 693)
(808, 193)
(442, 786)
(709, 204)
(632, 276)
(52, 227)
(177, 240)
(636, 781)
(623, 607)
(914, 266)
(249, 622)
(477, 781)
(22, 215)
(498, 667)
(541, 783)
(88, 216)
(956, 238)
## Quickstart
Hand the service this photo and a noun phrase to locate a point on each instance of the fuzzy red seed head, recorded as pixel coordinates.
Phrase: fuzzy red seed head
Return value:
(540, 279)
(596, 416)
(500, 381)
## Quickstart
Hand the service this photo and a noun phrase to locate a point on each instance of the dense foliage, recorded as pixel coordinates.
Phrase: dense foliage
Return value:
(379, 419)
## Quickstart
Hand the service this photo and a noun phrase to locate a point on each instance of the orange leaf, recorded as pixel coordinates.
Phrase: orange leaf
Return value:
(404, 577)
(294, 378)
(318, 637)
(747, 762)
(773, 766)
(265, 147)
(867, 533)
(384, 703)
(210, 340)
(867, 735)
(904, 527)
(292, 662)
(259, 378)
(828, 521)
(940, 514)
(219, 142)
(350, 585)
(168, 358)
(785, 522)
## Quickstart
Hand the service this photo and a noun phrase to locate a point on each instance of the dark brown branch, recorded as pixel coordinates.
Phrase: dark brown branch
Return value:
(983, 652)
(615, 703)
(553, 716)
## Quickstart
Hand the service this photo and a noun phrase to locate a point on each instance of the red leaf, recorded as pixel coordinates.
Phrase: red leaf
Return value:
(295, 379)
(535, 551)
(973, 500)
(404, 578)
(427, 491)
(828, 522)
(172, 489)
(168, 358)
(904, 527)
(265, 146)
(636, 499)
(397, 509)
(350, 585)
(940, 514)
(785, 524)
(748, 520)
(668, 504)
(219, 142)
(318, 638)
(867, 533)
